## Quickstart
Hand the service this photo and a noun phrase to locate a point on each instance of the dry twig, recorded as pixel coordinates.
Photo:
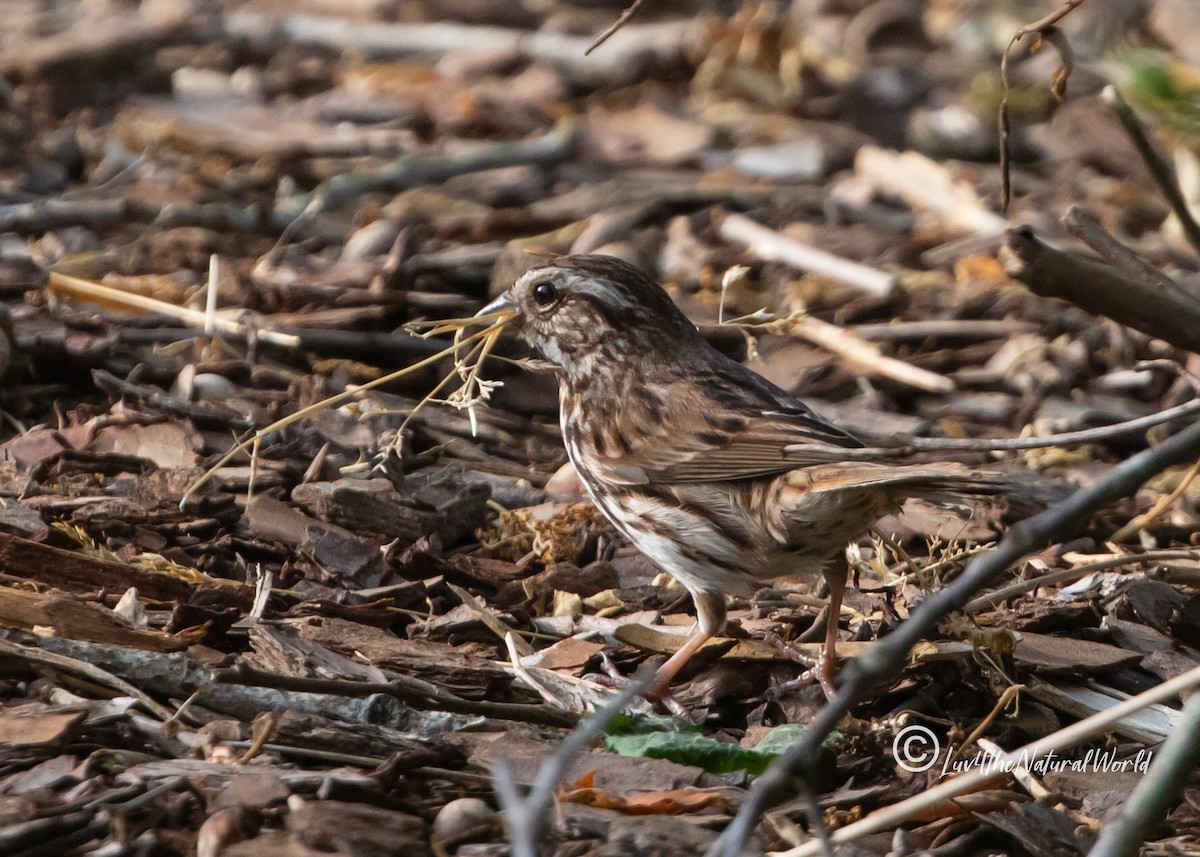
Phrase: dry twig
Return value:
(1160, 169)
(1069, 574)
(525, 817)
(772, 246)
(332, 401)
(1046, 29)
(616, 25)
(1099, 289)
(88, 671)
(409, 690)
(1087, 229)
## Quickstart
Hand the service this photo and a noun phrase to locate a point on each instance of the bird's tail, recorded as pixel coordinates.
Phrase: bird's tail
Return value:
(1024, 494)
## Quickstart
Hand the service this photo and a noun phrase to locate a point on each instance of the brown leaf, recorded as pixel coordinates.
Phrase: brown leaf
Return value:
(670, 802)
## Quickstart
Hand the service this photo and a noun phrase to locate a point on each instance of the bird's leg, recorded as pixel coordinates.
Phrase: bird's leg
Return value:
(660, 687)
(823, 668)
(835, 576)
(710, 616)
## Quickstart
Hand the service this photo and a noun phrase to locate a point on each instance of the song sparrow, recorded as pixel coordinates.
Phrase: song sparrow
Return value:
(718, 476)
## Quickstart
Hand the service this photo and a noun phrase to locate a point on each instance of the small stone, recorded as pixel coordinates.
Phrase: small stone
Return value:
(462, 817)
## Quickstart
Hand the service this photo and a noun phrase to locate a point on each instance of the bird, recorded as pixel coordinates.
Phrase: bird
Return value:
(716, 475)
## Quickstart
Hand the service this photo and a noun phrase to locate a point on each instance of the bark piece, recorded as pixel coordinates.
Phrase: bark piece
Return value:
(76, 620)
(79, 573)
(466, 675)
(358, 829)
(1071, 656)
(20, 520)
(281, 650)
(334, 548)
(569, 654)
(36, 724)
(561, 576)
(169, 445)
(370, 505)
(1148, 726)
(1153, 602)
(1098, 288)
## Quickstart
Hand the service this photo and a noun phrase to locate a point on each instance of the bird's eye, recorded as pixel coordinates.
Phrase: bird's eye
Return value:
(544, 294)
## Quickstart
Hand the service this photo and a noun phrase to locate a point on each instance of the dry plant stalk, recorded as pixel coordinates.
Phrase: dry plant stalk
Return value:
(145, 561)
(1047, 31)
(1146, 518)
(64, 285)
(474, 389)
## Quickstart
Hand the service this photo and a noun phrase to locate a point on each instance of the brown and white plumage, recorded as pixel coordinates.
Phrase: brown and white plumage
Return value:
(718, 476)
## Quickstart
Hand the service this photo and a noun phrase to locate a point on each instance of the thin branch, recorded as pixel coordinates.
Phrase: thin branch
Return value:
(1101, 290)
(1145, 809)
(616, 25)
(107, 296)
(1134, 266)
(82, 668)
(1066, 575)
(772, 246)
(887, 657)
(288, 214)
(416, 170)
(1160, 169)
(411, 691)
(915, 445)
(867, 357)
(1046, 30)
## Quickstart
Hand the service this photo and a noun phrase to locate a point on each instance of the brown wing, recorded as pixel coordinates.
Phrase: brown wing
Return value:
(720, 424)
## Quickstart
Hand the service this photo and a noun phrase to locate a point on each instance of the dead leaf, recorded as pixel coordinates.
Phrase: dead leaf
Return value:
(670, 802)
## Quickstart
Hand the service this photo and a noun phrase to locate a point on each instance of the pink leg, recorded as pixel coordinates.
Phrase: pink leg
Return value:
(662, 680)
(835, 577)
(822, 668)
(710, 617)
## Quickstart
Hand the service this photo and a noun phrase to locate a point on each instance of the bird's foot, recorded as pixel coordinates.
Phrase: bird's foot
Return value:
(658, 693)
(821, 669)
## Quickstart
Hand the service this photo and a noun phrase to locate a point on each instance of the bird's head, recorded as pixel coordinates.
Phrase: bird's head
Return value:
(578, 309)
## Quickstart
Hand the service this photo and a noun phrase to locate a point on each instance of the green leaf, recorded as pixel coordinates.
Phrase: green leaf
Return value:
(780, 739)
(643, 724)
(688, 748)
(666, 738)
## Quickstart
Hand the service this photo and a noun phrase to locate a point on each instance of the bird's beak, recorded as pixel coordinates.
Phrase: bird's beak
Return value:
(501, 309)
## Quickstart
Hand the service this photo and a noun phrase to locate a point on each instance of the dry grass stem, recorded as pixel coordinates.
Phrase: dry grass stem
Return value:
(332, 401)
(473, 390)
(64, 285)
(983, 602)
(1164, 503)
